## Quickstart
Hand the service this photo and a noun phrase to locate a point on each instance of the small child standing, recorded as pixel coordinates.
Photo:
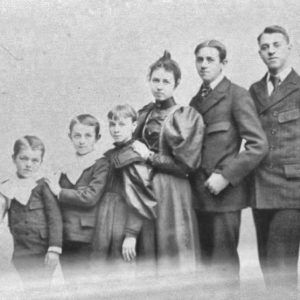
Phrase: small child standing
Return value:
(79, 189)
(128, 204)
(33, 214)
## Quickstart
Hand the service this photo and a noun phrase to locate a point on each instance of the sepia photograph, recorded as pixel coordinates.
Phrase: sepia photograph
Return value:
(150, 149)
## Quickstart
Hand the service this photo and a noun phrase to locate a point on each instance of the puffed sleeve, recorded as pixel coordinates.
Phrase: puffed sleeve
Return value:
(137, 181)
(138, 190)
(182, 134)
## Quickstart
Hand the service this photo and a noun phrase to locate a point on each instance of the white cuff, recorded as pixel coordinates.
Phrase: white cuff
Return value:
(55, 249)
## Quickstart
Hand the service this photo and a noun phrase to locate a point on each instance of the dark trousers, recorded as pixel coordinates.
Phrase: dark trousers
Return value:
(32, 270)
(278, 237)
(75, 261)
(219, 237)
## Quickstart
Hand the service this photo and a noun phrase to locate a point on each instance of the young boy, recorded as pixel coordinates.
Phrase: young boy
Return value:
(128, 203)
(79, 190)
(33, 214)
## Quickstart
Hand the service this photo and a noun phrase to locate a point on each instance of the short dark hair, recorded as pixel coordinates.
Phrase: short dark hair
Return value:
(86, 119)
(275, 29)
(29, 141)
(167, 63)
(213, 44)
(122, 111)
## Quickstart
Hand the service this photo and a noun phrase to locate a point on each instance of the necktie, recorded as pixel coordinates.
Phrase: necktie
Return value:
(205, 90)
(275, 81)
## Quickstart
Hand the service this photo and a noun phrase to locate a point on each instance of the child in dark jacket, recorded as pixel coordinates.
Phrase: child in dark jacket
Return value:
(33, 214)
(80, 186)
(128, 204)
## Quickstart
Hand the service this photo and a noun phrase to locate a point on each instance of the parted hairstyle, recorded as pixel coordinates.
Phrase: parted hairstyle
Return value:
(86, 119)
(122, 111)
(167, 63)
(213, 44)
(275, 29)
(28, 141)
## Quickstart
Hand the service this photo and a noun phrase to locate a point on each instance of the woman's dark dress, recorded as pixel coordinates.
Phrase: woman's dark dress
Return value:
(175, 135)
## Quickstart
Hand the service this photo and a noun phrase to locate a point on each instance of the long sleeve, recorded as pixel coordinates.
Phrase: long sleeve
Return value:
(3, 207)
(139, 196)
(134, 223)
(54, 218)
(138, 190)
(89, 195)
(251, 131)
(167, 164)
(181, 142)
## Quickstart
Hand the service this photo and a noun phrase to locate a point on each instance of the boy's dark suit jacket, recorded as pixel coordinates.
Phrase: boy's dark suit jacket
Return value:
(230, 116)
(80, 201)
(38, 225)
(277, 179)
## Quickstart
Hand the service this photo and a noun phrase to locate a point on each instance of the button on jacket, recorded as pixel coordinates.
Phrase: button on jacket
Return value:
(230, 116)
(277, 179)
(36, 226)
(79, 201)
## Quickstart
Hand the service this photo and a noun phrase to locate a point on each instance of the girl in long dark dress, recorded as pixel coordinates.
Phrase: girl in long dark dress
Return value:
(173, 135)
(128, 203)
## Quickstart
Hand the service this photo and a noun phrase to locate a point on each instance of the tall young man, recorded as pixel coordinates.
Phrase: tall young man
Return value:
(220, 191)
(276, 194)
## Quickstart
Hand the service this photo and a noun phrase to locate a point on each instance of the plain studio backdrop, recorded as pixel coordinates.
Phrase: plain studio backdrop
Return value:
(67, 57)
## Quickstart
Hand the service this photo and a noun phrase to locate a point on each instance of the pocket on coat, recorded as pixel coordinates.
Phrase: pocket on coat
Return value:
(87, 222)
(36, 205)
(217, 127)
(292, 171)
(43, 234)
(289, 115)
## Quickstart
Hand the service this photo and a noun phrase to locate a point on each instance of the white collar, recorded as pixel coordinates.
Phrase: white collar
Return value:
(215, 82)
(282, 75)
(77, 164)
(18, 188)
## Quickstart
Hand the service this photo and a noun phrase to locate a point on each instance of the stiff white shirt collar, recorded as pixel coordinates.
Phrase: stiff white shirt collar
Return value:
(214, 83)
(18, 188)
(282, 76)
(77, 164)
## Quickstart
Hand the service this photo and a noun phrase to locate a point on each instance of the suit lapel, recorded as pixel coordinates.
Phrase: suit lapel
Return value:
(261, 92)
(288, 86)
(215, 96)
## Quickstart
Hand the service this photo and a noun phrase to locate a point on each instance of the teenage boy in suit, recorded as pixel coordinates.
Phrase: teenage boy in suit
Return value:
(276, 193)
(220, 191)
